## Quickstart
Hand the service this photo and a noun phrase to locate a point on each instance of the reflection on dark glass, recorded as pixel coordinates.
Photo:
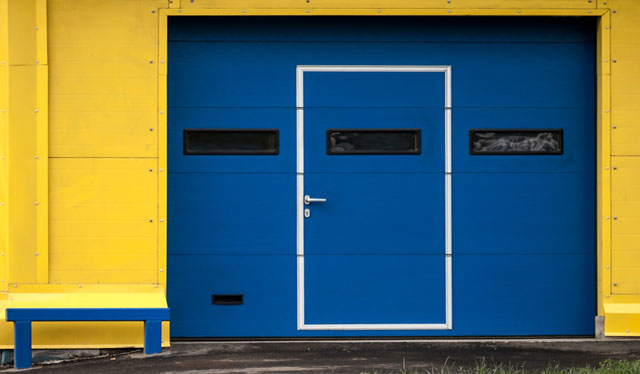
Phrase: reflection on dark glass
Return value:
(230, 142)
(515, 142)
(373, 142)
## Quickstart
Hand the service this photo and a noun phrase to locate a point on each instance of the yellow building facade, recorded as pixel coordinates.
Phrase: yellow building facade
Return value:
(83, 150)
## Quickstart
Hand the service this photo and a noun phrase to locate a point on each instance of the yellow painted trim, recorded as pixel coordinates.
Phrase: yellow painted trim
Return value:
(84, 288)
(174, 4)
(623, 299)
(604, 189)
(382, 11)
(604, 162)
(397, 4)
(4, 144)
(162, 151)
(42, 174)
(162, 181)
(4, 32)
(41, 32)
(4, 176)
(604, 44)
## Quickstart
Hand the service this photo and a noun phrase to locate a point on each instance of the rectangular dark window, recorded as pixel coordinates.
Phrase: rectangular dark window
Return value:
(231, 142)
(515, 142)
(228, 299)
(373, 142)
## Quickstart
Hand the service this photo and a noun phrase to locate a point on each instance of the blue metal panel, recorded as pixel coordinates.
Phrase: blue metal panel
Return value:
(523, 226)
(523, 216)
(259, 213)
(373, 90)
(486, 75)
(267, 281)
(366, 214)
(376, 289)
(523, 294)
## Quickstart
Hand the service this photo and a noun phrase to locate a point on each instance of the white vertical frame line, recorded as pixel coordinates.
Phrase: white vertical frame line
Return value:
(447, 199)
(300, 192)
(300, 70)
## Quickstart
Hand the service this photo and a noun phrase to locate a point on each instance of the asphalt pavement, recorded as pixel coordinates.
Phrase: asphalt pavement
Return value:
(361, 356)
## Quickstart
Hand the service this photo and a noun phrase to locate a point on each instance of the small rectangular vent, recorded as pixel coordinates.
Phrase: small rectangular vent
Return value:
(228, 299)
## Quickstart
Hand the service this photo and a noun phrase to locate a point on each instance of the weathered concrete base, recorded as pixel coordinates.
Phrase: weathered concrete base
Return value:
(599, 327)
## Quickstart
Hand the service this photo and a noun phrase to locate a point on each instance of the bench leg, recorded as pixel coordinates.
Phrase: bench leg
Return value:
(22, 344)
(152, 337)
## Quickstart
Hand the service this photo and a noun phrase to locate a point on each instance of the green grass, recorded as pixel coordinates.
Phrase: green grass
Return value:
(605, 367)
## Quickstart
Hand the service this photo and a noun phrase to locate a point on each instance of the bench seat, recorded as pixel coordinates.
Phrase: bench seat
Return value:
(23, 317)
(61, 308)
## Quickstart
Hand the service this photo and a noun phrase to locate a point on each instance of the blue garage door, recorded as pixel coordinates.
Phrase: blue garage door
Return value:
(381, 176)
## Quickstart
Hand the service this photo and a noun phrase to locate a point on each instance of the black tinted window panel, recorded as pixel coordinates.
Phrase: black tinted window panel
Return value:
(231, 142)
(373, 142)
(516, 142)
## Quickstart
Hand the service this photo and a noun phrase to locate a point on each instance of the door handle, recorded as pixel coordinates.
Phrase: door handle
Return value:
(308, 200)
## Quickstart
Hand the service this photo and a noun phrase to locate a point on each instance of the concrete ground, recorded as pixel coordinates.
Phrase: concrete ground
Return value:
(364, 356)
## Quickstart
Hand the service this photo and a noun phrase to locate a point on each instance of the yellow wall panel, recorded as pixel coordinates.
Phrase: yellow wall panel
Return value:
(625, 255)
(86, 133)
(103, 86)
(103, 226)
(625, 277)
(625, 80)
(355, 4)
(624, 19)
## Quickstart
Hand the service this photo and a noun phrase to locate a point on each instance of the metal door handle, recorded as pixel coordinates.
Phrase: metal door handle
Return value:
(308, 200)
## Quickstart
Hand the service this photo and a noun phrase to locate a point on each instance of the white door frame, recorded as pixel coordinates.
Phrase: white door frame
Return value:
(300, 70)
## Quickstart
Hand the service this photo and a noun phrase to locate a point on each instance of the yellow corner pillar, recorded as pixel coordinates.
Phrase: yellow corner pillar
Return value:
(619, 188)
(23, 143)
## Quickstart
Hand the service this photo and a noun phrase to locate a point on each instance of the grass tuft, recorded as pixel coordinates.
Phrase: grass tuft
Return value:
(482, 367)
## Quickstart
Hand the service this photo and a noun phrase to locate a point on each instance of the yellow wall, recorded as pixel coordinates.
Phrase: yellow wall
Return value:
(79, 182)
(622, 285)
(99, 87)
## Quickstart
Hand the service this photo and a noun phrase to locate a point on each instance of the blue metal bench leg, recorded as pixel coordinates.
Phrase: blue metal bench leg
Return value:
(152, 337)
(22, 344)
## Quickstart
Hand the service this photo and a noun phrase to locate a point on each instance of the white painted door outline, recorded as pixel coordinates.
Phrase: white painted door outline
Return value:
(446, 70)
